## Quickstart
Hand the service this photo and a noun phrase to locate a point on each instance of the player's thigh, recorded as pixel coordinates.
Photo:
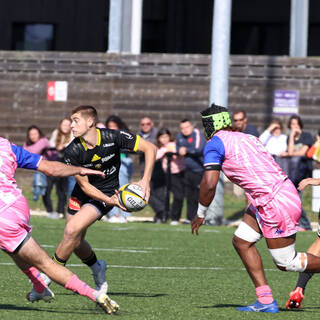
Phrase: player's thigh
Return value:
(32, 254)
(250, 219)
(277, 243)
(79, 222)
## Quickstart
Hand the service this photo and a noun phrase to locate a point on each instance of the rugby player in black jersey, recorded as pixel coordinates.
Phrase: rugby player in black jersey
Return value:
(93, 197)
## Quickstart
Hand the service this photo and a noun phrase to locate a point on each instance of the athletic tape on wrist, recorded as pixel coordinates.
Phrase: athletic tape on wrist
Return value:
(202, 211)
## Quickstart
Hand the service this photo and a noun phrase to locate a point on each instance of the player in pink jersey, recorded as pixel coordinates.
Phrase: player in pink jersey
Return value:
(274, 208)
(15, 238)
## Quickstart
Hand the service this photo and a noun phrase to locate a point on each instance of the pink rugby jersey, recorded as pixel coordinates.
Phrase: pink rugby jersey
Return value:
(247, 163)
(11, 157)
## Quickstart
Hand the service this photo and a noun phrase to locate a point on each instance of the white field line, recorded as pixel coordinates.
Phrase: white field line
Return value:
(106, 249)
(153, 268)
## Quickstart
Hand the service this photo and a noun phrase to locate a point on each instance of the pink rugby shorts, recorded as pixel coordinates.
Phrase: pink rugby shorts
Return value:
(280, 216)
(14, 224)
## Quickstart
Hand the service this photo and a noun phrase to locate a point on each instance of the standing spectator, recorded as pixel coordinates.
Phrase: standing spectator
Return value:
(158, 182)
(126, 169)
(276, 142)
(190, 145)
(174, 174)
(240, 123)
(299, 166)
(37, 143)
(59, 140)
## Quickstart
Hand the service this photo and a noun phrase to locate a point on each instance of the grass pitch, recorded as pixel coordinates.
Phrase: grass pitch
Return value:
(156, 272)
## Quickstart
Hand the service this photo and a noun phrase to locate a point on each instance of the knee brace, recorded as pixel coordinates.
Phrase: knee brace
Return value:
(245, 232)
(287, 258)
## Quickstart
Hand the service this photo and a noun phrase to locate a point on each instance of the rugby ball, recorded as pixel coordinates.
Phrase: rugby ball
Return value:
(131, 197)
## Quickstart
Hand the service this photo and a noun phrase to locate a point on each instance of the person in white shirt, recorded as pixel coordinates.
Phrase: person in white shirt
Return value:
(276, 142)
(273, 138)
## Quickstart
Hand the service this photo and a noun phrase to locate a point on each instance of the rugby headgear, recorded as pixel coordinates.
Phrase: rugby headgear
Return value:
(215, 118)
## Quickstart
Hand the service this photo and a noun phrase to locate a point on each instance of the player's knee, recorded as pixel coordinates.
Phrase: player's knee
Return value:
(245, 236)
(71, 232)
(287, 259)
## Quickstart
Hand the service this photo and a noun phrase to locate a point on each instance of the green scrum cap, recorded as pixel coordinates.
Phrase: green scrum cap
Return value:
(215, 118)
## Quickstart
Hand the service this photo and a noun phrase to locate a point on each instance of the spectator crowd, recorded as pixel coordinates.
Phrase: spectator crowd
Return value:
(178, 168)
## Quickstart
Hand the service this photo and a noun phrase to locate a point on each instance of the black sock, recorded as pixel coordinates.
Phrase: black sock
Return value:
(58, 260)
(304, 277)
(91, 260)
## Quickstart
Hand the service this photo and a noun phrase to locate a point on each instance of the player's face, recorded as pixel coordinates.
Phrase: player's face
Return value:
(186, 128)
(80, 125)
(34, 135)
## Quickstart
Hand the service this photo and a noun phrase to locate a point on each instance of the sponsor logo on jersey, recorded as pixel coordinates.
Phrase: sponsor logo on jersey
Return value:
(95, 158)
(74, 204)
(98, 166)
(108, 144)
(88, 165)
(110, 171)
(105, 159)
(127, 134)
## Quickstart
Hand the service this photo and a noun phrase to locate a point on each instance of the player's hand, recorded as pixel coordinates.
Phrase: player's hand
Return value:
(308, 181)
(87, 172)
(195, 224)
(114, 201)
(146, 189)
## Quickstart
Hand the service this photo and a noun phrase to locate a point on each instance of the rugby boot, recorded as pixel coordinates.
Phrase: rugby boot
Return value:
(260, 307)
(47, 295)
(295, 299)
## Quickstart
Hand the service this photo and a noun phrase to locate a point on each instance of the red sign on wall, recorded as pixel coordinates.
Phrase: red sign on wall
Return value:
(57, 90)
(51, 89)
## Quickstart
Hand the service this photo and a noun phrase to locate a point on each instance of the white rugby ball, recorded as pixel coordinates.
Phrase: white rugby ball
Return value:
(131, 197)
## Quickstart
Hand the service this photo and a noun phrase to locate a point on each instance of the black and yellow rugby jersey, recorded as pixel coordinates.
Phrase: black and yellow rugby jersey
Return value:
(105, 156)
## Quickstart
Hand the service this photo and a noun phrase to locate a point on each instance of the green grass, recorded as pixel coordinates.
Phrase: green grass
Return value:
(233, 206)
(156, 272)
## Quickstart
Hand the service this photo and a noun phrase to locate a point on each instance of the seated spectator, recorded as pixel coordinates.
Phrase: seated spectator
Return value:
(126, 169)
(37, 143)
(299, 166)
(275, 142)
(167, 152)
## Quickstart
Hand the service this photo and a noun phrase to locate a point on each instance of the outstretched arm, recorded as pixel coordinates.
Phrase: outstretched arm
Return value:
(59, 169)
(308, 181)
(207, 192)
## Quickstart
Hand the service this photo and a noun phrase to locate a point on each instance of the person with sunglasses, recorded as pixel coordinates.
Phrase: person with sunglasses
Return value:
(240, 123)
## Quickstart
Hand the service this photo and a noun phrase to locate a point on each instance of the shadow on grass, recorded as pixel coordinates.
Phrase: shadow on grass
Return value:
(84, 311)
(137, 294)
(13, 307)
(125, 294)
(304, 309)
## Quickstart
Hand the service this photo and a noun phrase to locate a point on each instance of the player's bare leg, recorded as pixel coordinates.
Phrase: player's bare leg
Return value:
(74, 231)
(32, 254)
(297, 295)
(250, 255)
(74, 241)
(253, 263)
